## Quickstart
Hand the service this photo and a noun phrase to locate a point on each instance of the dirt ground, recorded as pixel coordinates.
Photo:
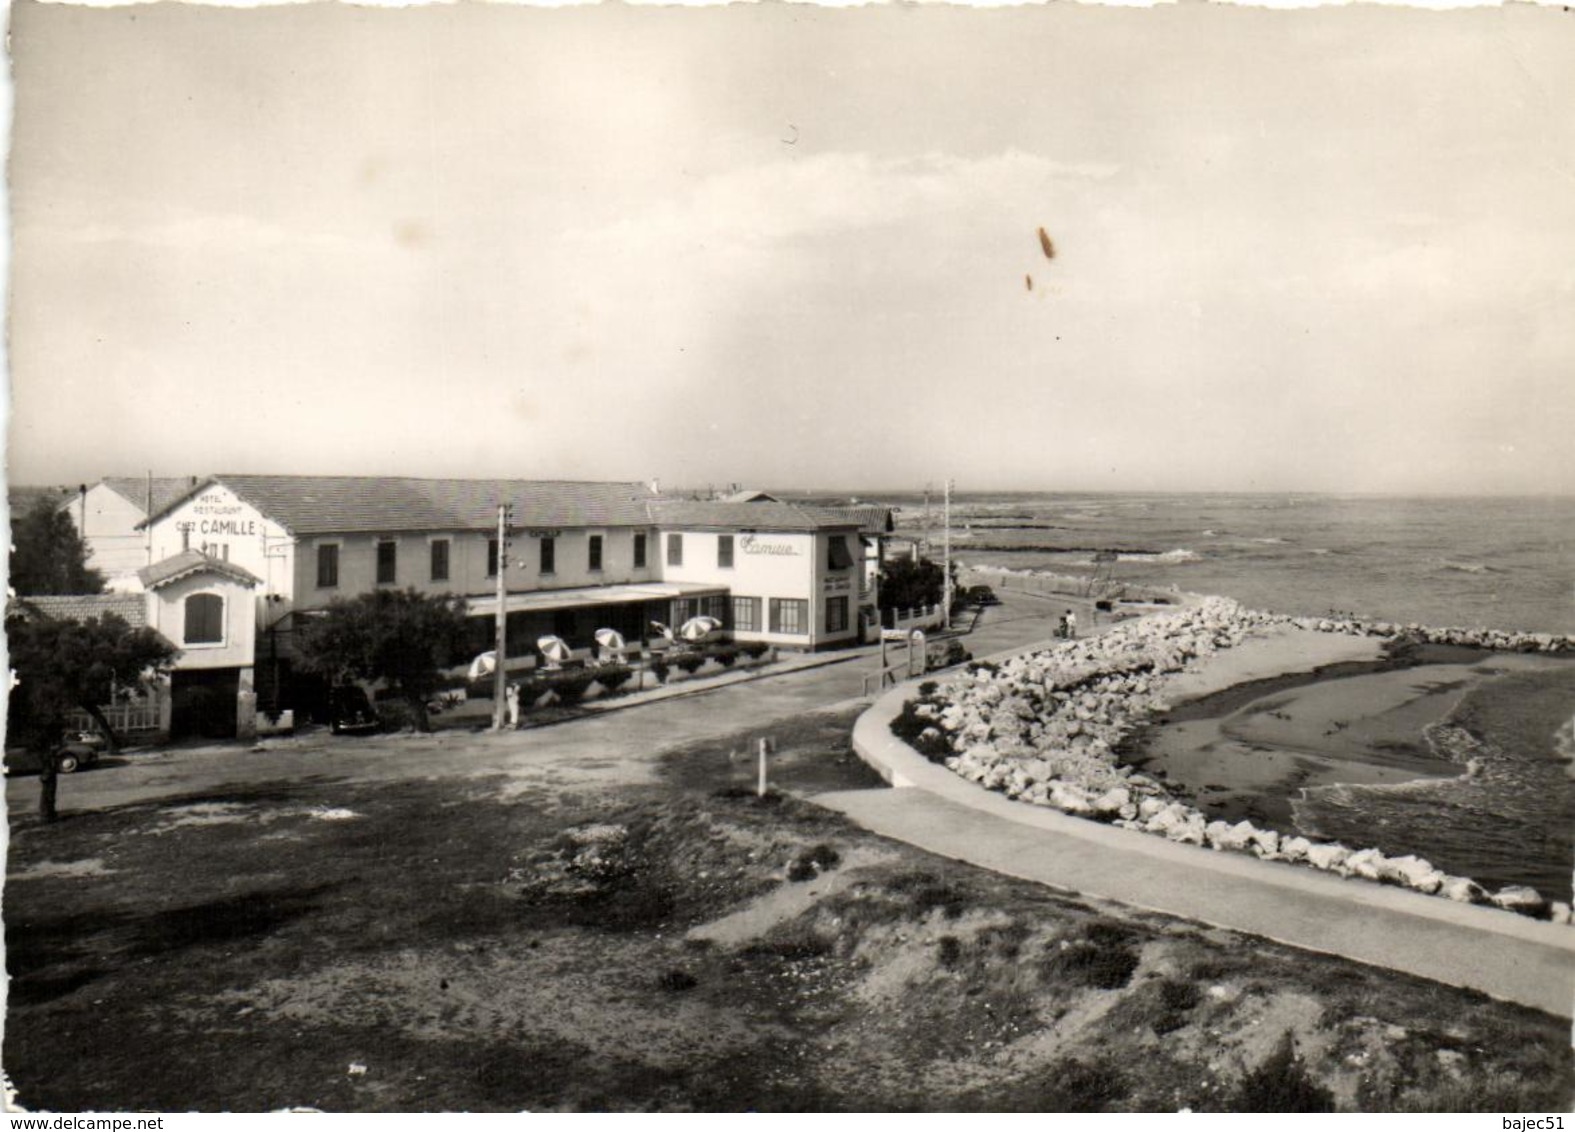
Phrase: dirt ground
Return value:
(667, 940)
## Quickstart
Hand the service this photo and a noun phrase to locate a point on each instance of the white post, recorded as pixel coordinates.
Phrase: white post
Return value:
(500, 637)
(946, 584)
(765, 745)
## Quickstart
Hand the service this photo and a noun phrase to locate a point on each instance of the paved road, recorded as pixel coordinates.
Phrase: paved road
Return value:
(617, 741)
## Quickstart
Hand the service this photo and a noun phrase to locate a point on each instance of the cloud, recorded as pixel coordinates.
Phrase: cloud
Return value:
(831, 193)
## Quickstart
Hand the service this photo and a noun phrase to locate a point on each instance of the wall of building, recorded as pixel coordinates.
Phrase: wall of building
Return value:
(115, 547)
(233, 530)
(467, 563)
(167, 614)
(787, 565)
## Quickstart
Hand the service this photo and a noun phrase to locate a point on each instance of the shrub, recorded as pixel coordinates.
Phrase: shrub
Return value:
(613, 676)
(1087, 1088)
(812, 862)
(725, 656)
(395, 715)
(659, 669)
(1089, 964)
(920, 733)
(926, 892)
(948, 951)
(570, 687)
(678, 980)
(754, 650)
(928, 689)
(690, 662)
(1282, 1084)
(944, 654)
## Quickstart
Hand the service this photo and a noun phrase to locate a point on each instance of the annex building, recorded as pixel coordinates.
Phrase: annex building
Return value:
(274, 551)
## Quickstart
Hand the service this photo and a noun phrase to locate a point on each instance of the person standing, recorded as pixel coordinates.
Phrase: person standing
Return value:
(1070, 621)
(48, 778)
(512, 700)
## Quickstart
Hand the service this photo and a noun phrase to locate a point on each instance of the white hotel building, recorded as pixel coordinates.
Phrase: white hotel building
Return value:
(582, 557)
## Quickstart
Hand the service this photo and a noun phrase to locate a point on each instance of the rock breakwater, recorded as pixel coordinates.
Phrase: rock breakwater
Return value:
(1044, 728)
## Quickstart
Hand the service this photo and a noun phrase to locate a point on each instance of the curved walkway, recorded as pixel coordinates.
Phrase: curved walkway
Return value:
(1506, 956)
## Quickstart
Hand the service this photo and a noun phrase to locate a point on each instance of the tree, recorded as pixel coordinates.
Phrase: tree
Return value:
(908, 583)
(402, 637)
(48, 555)
(65, 665)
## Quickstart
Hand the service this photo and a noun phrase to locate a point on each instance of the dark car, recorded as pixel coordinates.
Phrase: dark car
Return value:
(349, 710)
(77, 749)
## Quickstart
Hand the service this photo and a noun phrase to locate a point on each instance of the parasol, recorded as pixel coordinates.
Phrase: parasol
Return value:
(699, 628)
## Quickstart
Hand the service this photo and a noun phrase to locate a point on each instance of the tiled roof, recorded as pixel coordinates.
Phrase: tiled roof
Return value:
(188, 562)
(166, 489)
(307, 505)
(760, 516)
(872, 518)
(84, 607)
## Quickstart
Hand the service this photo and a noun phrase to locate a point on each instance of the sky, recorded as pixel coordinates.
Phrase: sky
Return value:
(1319, 250)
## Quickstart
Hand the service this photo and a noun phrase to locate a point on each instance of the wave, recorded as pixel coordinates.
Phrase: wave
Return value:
(1170, 557)
(1270, 541)
(1468, 567)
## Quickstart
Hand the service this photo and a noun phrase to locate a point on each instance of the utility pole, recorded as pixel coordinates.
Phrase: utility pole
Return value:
(500, 637)
(946, 585)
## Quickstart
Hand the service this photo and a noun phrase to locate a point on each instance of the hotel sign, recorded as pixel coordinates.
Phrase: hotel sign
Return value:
(221, 515)
(751, 544)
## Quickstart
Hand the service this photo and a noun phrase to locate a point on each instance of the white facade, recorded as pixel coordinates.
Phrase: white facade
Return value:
(107, 522)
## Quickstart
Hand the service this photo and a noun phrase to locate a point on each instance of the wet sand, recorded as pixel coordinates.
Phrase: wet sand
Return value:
(1248, 752)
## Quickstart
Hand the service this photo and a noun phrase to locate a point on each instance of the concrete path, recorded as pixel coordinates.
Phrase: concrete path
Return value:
(1506, 956)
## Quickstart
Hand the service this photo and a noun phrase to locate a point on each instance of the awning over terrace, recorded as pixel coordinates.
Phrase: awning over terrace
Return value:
(546, 600)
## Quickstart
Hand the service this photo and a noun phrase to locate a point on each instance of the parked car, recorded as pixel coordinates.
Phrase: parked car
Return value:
(349, 710)
(77, 749)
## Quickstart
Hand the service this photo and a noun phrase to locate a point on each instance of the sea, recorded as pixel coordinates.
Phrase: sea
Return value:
(1504, 563)
(1501, 563)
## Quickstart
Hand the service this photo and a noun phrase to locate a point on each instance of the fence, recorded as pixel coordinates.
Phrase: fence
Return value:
(123, 719)
(922, 617)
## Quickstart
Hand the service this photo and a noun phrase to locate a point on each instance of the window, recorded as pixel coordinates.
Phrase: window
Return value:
(440, 560)
(837, 556)
(724, 551)
(205, 619)
(595, 553)
(675, 550)
(639, 551)
(492, 558)
(328, 565)
(387, 561)
(549, 555)
(836, 614)
(789, 615)
(746, 614)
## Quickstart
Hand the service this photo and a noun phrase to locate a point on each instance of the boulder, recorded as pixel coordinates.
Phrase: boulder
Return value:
(1112, 801)
(1365, 863)
(1265, 842)
(1189, 831)
(1519, 898)
(1294, 848)
(1412, 872)
(1148, 807)
(1462, 890)
(1070, 799)
(1329, 856)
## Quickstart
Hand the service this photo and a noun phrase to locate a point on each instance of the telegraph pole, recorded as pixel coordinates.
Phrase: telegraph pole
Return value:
(500, 638)
(946, 585)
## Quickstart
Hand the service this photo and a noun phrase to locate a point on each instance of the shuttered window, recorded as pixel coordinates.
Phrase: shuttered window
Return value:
(204, 619)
